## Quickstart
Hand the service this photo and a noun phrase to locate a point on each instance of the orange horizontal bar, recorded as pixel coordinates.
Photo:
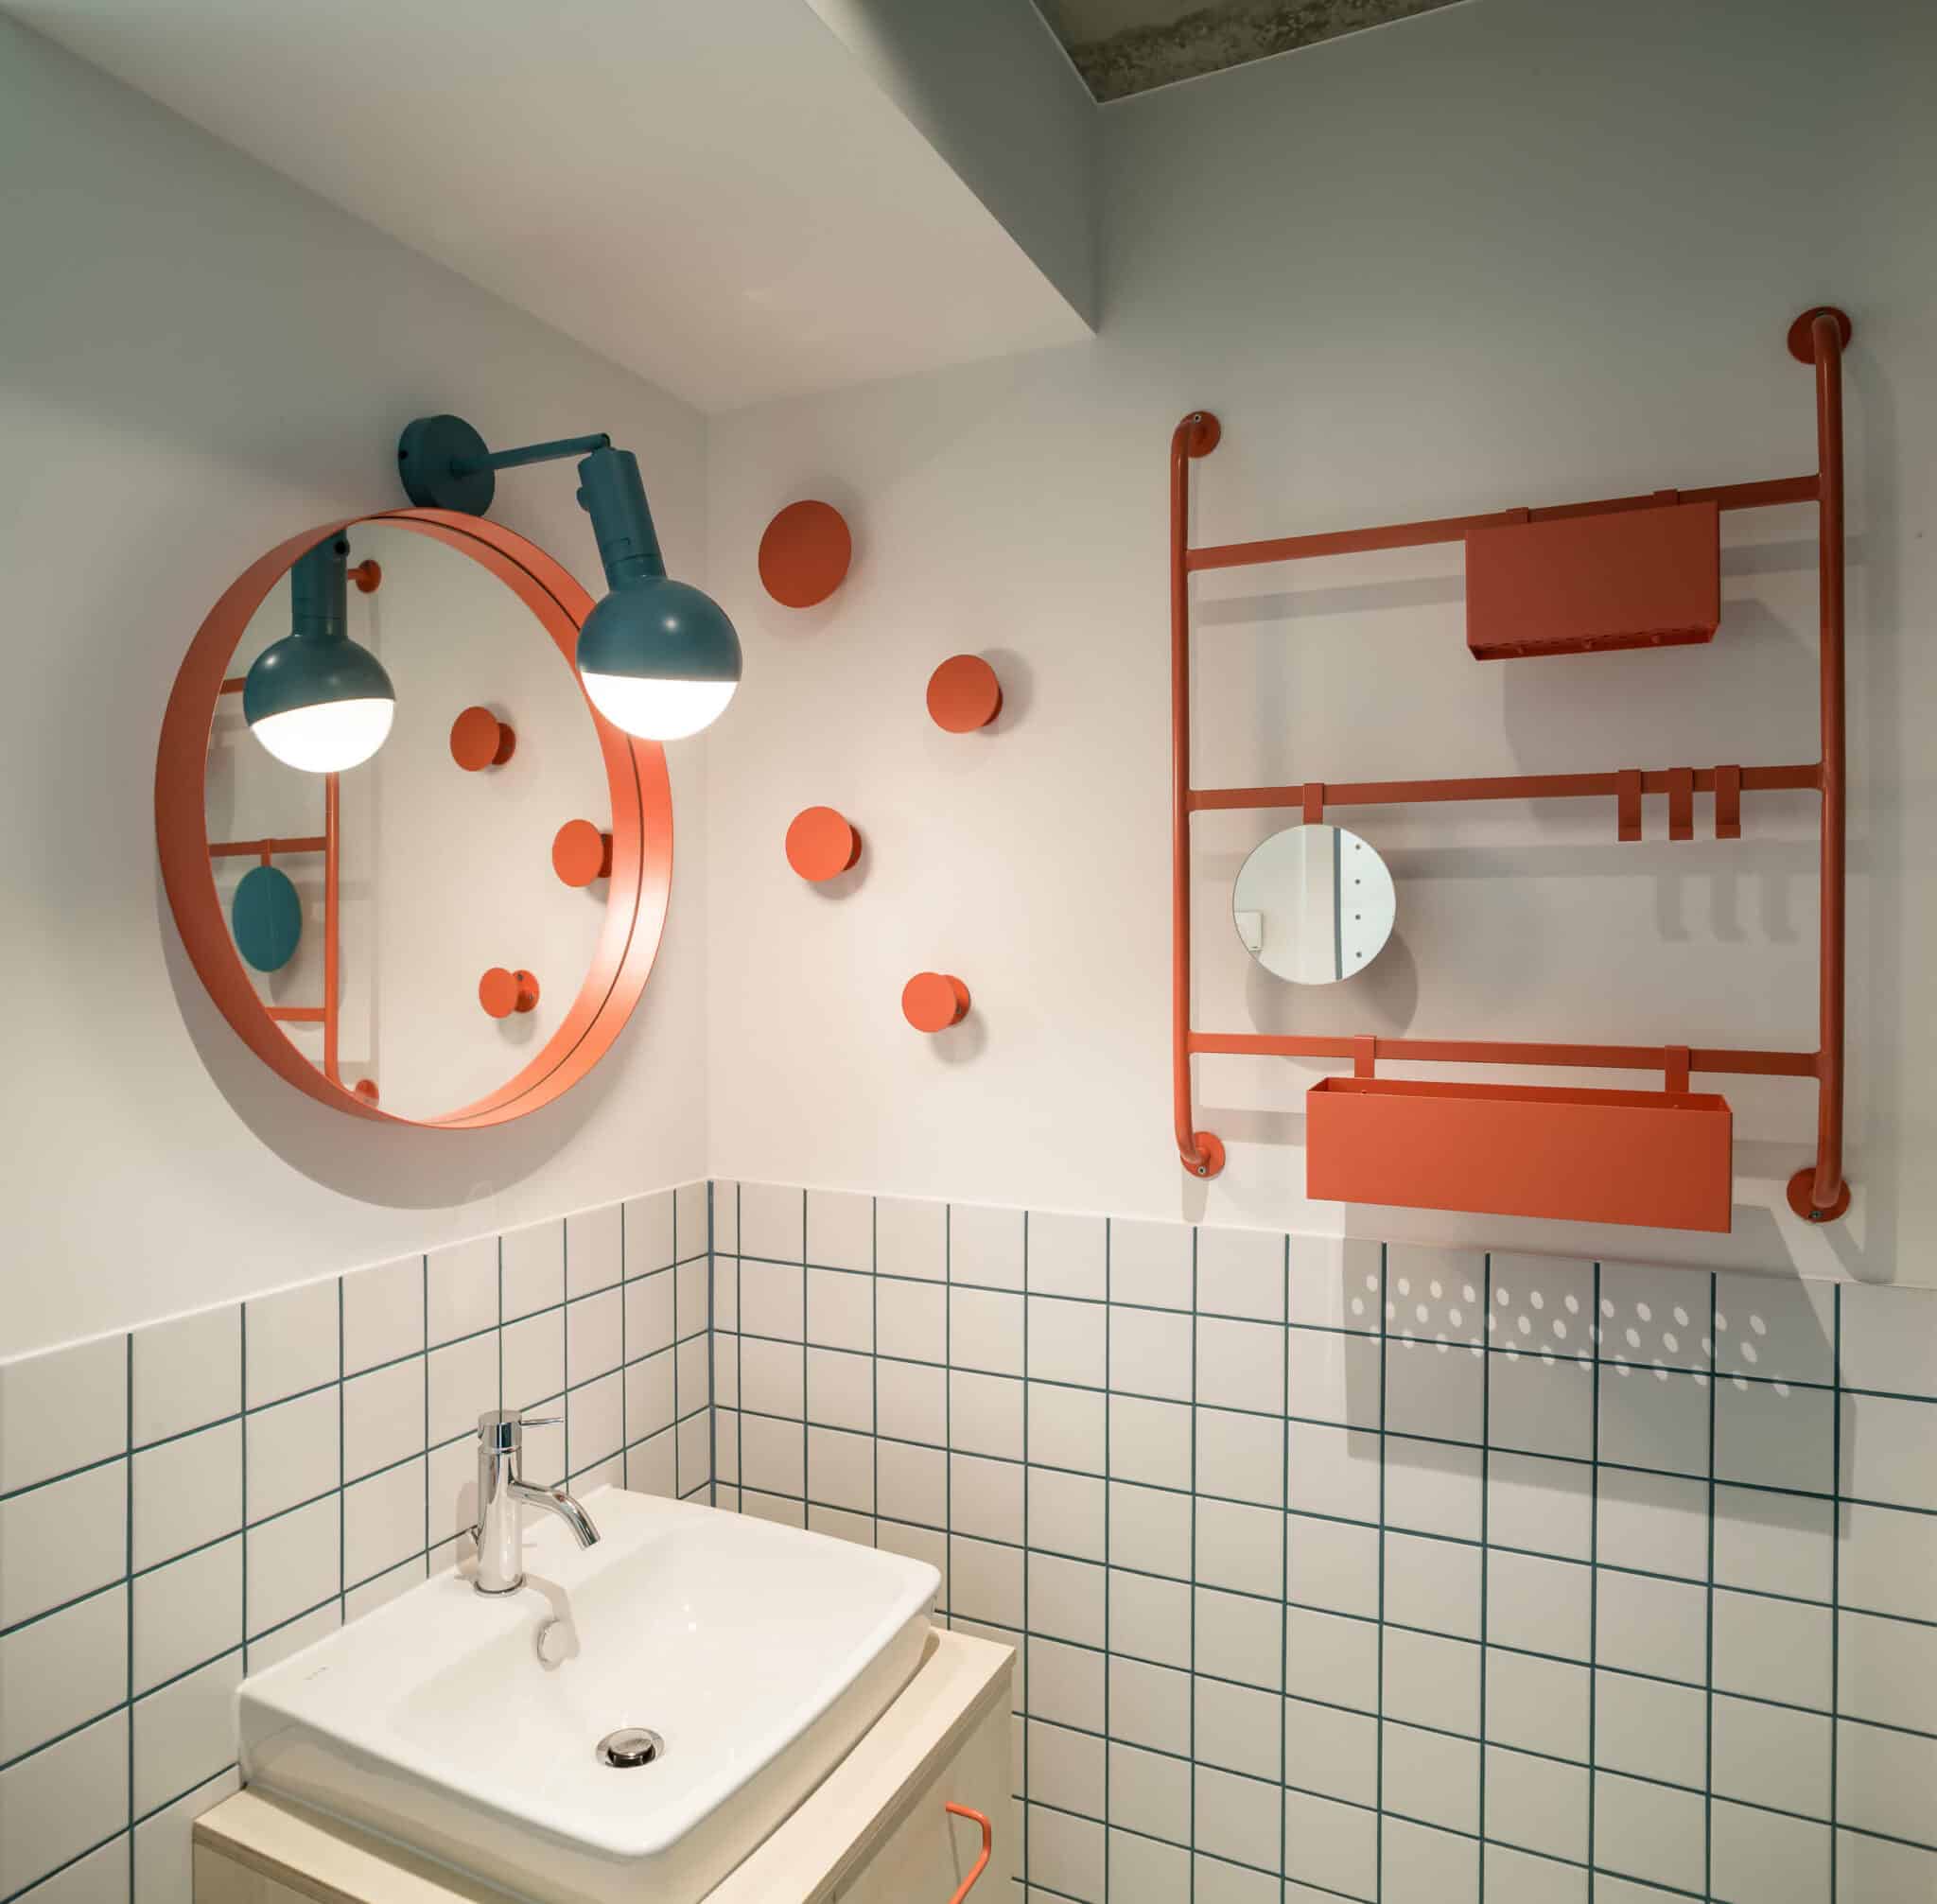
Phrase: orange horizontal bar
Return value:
(1453, 1051)
(1805, 777)
(235, 683)
(229, 850)
(296, 1014)
(1455, 528)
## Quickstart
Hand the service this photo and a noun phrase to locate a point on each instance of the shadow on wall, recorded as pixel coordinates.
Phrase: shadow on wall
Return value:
(397, 1166)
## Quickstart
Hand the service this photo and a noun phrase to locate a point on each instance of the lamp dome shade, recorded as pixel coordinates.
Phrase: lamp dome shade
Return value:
(320, 703)
(659, 658)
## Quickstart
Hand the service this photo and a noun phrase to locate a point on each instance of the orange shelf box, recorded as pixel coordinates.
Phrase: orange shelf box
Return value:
(1577, 584)
(1663, 1159)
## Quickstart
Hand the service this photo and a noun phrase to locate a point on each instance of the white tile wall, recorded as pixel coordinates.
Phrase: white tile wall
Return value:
(204, 1496)
(1382, 1575)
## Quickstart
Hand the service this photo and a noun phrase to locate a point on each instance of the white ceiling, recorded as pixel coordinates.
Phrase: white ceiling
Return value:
(713, 193)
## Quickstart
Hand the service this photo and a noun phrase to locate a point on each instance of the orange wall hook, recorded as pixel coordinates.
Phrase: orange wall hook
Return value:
(933, 1001)
(501, 992)
(804, 554)
(365, 1088)
(964, 694)
(821, 843)
(479, 739)
(581, 854)
(368, 576)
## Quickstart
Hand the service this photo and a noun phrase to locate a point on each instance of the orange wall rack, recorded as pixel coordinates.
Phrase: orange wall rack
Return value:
(1818, 1191)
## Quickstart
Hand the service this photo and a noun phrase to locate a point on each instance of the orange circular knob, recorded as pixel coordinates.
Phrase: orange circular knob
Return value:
(365, 1088)
(821, 843)
(368, 576)
(964, 694)
(479, 739)
(933, 1001)
(804, 554)
(502, 992)
(581, 854)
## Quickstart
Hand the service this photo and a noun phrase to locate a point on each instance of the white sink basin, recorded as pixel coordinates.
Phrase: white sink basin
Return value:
(758, 1652)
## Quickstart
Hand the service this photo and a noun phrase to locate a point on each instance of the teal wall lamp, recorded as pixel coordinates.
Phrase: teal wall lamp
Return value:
(316, 699)
(657, 657)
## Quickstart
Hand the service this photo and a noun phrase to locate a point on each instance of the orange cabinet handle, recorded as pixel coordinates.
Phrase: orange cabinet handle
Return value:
(988, 1842)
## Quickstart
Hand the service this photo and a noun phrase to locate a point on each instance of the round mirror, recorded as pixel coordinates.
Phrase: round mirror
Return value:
(1313, 904)
(397, 939)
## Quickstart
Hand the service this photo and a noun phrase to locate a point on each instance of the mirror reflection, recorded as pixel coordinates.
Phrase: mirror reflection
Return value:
(1314, 904)
(444, 870)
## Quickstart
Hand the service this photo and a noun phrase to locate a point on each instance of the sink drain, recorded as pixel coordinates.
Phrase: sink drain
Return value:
(629, 1746)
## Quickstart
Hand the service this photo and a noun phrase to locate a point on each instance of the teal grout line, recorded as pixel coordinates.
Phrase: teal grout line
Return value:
(1835, 1585)
(1284, 1549)
(1708, 1599)
(1486, 1442)
(342, 1460)
(242, 1443)
(1028, 1791)
(1594, 1335)
(127, 1567)
(1384, 1353)
(1194, 1498)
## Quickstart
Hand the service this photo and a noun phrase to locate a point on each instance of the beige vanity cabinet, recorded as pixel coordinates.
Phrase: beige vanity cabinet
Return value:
(876, 1830)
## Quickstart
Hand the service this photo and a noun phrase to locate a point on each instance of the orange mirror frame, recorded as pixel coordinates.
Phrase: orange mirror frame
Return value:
(641, 875)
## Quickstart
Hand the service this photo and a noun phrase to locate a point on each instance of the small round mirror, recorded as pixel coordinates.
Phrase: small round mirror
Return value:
(1313, 904)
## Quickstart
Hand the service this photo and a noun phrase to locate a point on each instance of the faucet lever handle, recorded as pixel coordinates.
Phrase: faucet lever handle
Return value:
(540, 1421)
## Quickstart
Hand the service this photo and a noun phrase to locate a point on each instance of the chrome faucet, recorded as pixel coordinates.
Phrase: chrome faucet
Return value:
(500, 1495)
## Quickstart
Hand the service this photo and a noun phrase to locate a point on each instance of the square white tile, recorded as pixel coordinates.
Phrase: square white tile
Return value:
(1150, 1529)
(62, 1410)
(912, 1239)
(772, 1222)
(62, 1671)
(1536, 1805)
(1240, 1365)
(1541, 1405)
(839, 1230)
(1068, 1255)
(1150, 1352)
(912, 1483)
(1332, 1659)
(1542, 1305)
(534, 1359)
(1332, 1566)
(56, 1803)
(1149, 1620)
(1537, 1704)
(840, 1310)
(840, 1390)
(986, 1246)
(1544, 1505)
(1239, 1638)
(1538, 1605)
(1431, 1778)
(1432, 1487)
(1771, 1435)
(1068, 1428)
(383, 1314)
(294, 1561)
(188, 1613)
(1654, 1418)
(692, 1218)
(1436, 1295)
(911, 1319)
(1068, 1341)
(1651, 1728)
(1887, 1672)
(1330, 1845)
(840, 1469)
(648, 1313)
(1436, 1389)
(62, 1540)
(1066, 1513)
(462, 1379)
(1240, 1272)
(594, 1250)
(985, 1415)
(1240, 1549)
(1149, 1704)
(1432, 1681)
(183, 1733)
(594, 1422)
(1331, 1752)
(186, 1493)
(384, 1416)
(531, 1268)
(773, 1301)
(1655, 1318)
(1769, 1757)
(187, 1373)
(1150, 1262)
(1066, 1599)
(1653, 1626)
(773, 1456)
(1890, 1339)
(594, 1336)
(1784, 1543)
(1890, 1451)
(911, 1402)
(985, 1581)
(1774, 1861)
(1333, 1376)
(1236, 1817)
(292, 1341)
(646, 1232)
(1333, 1471)
(1649, 1831)
(294, 1452)
(1654, 1524)
(1241, 1457)
(1335, 1283)
(1772, 1649)
(1775, 1326)
(1884, 1780)
(649, 1396)
(461, 1290)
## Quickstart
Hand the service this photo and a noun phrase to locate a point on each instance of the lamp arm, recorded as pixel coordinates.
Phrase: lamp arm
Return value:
(534, 452)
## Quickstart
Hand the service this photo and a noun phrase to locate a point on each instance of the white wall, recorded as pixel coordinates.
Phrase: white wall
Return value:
(196, 358)
(1527, 251)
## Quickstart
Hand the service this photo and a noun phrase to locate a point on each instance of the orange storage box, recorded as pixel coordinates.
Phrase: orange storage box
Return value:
(1573, 585)
(1665, 1159)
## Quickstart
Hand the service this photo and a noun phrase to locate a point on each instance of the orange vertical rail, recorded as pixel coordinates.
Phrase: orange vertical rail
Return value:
(1819, 1192)
(969, 1883)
